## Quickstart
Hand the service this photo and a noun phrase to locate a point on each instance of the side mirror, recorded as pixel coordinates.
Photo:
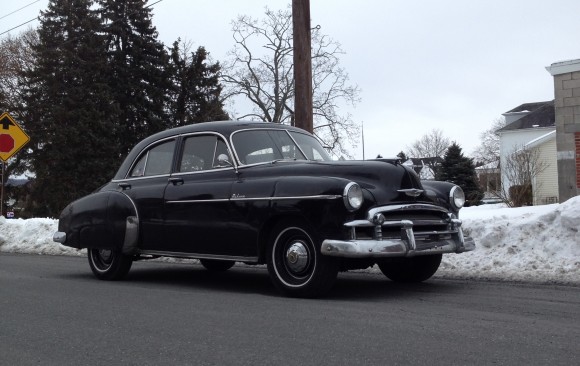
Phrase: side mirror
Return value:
(224, 160)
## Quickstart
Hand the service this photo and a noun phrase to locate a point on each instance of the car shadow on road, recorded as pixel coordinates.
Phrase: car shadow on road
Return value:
(244, 279)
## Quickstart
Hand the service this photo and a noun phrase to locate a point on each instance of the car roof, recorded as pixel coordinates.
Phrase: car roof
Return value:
(225, 128)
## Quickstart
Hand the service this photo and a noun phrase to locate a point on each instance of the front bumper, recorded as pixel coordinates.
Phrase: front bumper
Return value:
(409, 244)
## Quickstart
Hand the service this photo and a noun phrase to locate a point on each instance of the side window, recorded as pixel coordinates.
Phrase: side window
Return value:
(221, 149)
(201, 153)
(156, 161)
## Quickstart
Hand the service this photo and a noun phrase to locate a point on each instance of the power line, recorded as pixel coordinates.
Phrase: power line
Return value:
(18, 26)
(17, 10)
(31, 20)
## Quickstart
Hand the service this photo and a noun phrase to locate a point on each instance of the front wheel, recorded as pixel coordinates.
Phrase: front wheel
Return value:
(414, 269)
(295, 264)
(108, 264)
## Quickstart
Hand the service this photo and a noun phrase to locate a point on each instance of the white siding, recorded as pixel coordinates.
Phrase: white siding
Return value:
(516, 139)
(546, 185)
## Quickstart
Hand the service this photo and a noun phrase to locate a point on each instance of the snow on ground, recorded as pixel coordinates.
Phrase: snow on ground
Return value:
(531, 244)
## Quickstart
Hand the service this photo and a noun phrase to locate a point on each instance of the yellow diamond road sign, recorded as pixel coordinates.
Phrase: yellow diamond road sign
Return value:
(12, 137)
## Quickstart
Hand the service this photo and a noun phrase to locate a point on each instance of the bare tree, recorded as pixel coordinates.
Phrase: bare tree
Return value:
(260, 69)
(488, 150)
(15, 56)
(432, 144)
(519, 172)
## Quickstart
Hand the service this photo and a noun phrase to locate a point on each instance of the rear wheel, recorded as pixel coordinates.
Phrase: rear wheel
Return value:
(108, 264)
(414, 269)
(295, 264)
(216, 265)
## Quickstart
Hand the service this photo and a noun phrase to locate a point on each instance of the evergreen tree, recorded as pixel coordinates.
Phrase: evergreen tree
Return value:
(67, 108)
(458, 169)
(196, 92)
(138, 70)
(401, 155)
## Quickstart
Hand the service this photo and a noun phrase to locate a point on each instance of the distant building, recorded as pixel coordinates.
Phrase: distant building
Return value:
(567, 110)
(532, 126)
(490, 181)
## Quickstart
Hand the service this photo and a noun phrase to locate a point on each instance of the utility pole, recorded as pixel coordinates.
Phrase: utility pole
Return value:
(2, 189)
(302, 65)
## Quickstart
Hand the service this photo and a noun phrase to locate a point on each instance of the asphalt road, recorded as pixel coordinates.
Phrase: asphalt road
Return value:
(54, 312)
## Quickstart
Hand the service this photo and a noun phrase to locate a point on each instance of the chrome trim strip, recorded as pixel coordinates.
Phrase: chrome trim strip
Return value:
(180, 174)
(412, 192)
(405, 207)
(133, 203)
(200, 201)
(315, 197)
(198, 256)
(139, 178)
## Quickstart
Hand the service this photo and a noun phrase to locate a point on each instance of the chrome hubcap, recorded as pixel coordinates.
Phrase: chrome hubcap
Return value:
(106, 255)
(297, 257)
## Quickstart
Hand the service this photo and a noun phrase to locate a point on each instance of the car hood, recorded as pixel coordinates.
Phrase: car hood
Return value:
(382, 179)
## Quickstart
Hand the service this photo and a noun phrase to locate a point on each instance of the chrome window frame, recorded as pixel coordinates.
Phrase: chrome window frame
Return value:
(262, 129)
(183, 137)
(146, 150)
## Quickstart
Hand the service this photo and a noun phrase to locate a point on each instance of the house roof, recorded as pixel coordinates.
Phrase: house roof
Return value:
(526, 107)
(540, 140)
(540, 114)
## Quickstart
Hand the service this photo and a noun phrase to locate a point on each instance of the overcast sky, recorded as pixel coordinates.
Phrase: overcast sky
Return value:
(454, 65)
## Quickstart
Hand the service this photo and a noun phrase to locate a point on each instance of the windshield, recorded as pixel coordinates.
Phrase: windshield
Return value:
(310, 146)
(261, 146)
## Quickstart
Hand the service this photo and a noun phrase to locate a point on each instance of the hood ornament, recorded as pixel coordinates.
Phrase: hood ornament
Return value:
(412, 192)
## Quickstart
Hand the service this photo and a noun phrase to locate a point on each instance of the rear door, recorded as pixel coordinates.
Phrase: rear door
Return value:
(145, 185)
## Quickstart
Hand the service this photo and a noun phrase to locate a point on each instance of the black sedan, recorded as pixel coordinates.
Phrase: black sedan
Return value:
(263, 193)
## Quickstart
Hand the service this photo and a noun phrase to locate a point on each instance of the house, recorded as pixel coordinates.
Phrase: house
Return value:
(531, 128)
(489, 181)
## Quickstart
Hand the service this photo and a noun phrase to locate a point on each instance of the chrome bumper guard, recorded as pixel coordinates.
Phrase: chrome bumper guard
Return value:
(59, 237)
(410, 243)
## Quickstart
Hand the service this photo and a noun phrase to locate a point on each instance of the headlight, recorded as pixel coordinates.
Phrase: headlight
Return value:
(457, 197)
(353, 196)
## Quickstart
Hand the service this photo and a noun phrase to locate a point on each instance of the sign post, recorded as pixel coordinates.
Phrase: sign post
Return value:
(12, 139)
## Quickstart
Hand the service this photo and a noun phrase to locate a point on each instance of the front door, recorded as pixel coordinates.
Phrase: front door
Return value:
(197, 200)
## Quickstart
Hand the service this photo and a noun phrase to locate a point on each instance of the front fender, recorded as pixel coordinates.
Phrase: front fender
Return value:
(318, 200)
(104, 220)
(438, 191)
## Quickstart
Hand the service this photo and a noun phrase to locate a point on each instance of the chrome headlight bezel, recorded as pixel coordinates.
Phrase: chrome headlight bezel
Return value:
(457, 197)
(353, 196)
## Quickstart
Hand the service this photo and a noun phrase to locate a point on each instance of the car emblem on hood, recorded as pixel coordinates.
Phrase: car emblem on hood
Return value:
(412, 192)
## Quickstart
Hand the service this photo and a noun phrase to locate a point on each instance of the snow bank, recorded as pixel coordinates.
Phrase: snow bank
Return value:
(33, 236)
(537, 244)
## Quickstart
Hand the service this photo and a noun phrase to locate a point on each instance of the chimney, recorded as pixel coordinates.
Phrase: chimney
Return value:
(567, 107)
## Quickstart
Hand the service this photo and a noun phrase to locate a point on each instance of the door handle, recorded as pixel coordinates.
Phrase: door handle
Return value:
(125, 186)
(176, 181)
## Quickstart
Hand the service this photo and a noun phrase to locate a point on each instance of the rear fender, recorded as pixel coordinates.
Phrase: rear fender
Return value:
(103, 220)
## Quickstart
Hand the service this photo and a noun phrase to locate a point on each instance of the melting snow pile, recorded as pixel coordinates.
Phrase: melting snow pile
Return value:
(539, 243)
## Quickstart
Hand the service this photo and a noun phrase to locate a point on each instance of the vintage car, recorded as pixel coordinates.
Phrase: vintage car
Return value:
(264, 193)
